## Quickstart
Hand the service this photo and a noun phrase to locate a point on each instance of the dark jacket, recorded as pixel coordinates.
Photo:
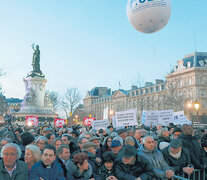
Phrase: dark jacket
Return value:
(73, 147)
(196, 154)
(74, 172)
(20, 173)
(157, 161)
(60, 162)
(40, 170)
(103, 173)
(177, 164)
(142, 168)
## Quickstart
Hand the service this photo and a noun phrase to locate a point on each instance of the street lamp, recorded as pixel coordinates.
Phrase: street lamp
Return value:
(196, 105)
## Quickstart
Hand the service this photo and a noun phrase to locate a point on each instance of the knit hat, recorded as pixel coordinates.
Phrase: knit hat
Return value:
(129, 151)
(177, 129)
(27, 138)
(89, 145)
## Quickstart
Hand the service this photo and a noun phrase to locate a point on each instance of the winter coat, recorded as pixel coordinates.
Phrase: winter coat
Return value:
(20, 173)
(157, 161)
(60, 162)
(196, 153)
(103, 173)
(40, 170)
(177, 164)
(73, 147)
(74, 172)
(141, 168)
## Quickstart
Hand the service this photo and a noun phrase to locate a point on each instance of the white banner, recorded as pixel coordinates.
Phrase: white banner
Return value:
(126, 118)
(165, 117)
(182, 120)
(150, 118)
(105, 113)
(100, 124)
(178, 114)
(113, 121)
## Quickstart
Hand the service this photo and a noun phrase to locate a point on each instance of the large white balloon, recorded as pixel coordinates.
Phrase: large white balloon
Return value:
(148, 16)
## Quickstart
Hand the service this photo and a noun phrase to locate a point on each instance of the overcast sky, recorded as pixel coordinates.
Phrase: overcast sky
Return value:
(88, 43)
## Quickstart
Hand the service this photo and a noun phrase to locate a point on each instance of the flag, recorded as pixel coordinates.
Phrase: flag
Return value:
(119, 84)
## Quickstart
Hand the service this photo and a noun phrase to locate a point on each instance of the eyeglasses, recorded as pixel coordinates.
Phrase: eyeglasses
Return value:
(12, 154)
(41, 143)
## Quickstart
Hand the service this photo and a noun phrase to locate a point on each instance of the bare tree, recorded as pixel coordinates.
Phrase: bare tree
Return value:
(70, 101)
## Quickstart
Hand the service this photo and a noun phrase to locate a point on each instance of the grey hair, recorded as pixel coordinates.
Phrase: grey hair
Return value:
(145, 137)
(36, 152)
(119, 139)
(41, 138)
(161, 131)
(129, 140)
(19, 152)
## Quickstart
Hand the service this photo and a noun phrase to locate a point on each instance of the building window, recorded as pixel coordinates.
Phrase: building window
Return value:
(181, 83)
(157, 88)
(163, 87)
(151, 89)
(141, 91)
(137, 93)
(188, 64)
(146, 91)
(189, 81)
(203, 104)
(132, 93)
(190, 94)
(202, 93)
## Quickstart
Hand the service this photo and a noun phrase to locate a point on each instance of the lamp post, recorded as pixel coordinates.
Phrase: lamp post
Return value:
(196, 105)
(111, 113)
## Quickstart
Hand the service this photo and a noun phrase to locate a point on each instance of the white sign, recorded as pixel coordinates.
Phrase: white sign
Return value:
(150, 118)
(178, 114)
(113, 121)
(182, 120)
(165, 117)
(105, 113)
(126, 118)
(100, 124)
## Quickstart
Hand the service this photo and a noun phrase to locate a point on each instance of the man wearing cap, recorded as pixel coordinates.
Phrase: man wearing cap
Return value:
(155, 157)
(177, 157)
(46, 131)
(90, 149)
(96, 140)
(131, 166)
(116, 147)
(122, 133)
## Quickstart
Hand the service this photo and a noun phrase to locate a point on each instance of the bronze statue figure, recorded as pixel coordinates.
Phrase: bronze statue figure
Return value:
(36, 59)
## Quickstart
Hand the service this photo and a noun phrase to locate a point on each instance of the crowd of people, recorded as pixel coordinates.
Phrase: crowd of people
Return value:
(76, 152)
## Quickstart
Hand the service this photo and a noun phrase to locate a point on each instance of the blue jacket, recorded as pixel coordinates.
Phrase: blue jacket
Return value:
(40, 170)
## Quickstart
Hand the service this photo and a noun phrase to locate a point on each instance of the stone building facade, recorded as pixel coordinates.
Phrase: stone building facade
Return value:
(187, 82)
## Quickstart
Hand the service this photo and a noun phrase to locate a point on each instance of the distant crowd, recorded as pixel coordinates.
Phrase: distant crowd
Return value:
(74, 152)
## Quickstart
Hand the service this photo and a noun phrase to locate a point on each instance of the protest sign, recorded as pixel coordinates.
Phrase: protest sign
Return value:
(100, 124)
(31, 120)
(165, 117)
(105, 113)
(87, 121)
(59, 122)
(151, 118)
(126, 118)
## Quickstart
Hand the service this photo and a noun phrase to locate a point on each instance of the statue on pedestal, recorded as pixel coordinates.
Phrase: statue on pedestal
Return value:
(36, 63)
(36, 59)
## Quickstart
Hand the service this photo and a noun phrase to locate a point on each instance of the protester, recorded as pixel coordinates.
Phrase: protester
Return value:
(155, 157)
(68, 140)
(63, 155)
(50, 137)
(47, 169)
(106, 171)
(57, 142)
(10, 166)
(79, 168)
(32, 155)
(41, 142)
(130, 165)
(178, 158)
